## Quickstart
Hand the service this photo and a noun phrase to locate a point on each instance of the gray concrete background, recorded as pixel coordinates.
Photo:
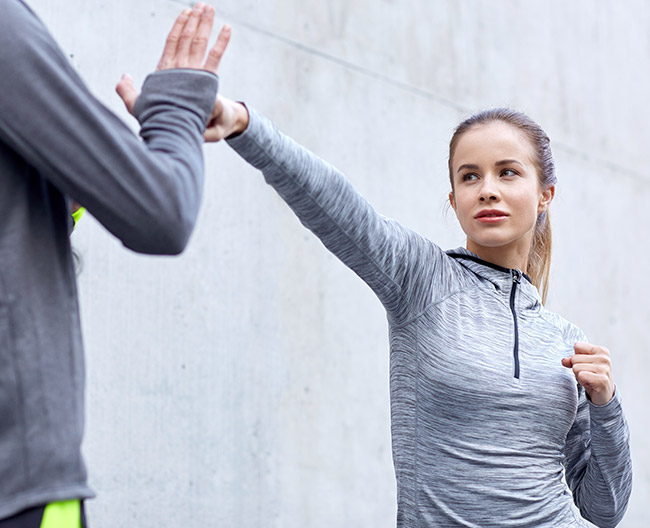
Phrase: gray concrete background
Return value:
(245, 383)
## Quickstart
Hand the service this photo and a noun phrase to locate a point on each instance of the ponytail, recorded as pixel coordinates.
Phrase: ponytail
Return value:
(539, 257)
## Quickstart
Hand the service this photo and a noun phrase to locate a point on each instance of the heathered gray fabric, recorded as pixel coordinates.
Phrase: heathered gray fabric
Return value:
(473, 446)
(56, 139)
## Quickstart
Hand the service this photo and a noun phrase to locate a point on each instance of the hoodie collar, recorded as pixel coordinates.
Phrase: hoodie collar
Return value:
(500, 276)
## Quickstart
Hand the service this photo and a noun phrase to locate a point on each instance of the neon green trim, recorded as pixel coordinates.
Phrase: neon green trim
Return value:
(76, 216)
(62, 515)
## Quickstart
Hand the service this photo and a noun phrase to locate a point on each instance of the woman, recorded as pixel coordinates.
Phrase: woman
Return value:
(489, 426)
(484, 407)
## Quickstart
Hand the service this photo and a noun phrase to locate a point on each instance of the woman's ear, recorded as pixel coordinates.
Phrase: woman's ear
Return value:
(452, 201)
(546, 199)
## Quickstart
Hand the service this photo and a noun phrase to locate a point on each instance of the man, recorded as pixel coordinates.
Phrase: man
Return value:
(58, 144)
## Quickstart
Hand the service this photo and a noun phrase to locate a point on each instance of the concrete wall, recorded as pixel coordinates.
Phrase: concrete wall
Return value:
(245, 383)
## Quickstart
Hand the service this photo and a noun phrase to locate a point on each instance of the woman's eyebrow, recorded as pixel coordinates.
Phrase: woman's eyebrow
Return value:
(467, 166)
(508, 162)
(472, 166)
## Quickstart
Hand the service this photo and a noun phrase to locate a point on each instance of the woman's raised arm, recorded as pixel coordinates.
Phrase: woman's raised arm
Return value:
(387, 256)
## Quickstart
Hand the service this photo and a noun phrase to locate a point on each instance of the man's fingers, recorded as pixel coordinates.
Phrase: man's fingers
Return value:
(127, 91)
(189, 38)
(171, 44)
(202, 37)
(217, 51)
(187, 35)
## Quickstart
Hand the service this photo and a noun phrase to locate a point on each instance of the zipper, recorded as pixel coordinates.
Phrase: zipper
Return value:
(516, 276)
(516, 279)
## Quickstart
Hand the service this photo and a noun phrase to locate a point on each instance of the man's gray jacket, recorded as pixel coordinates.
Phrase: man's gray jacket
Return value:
(58, 142)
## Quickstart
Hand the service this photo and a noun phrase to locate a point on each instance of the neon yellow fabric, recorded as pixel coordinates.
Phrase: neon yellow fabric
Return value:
(62, 515)
(76, 216)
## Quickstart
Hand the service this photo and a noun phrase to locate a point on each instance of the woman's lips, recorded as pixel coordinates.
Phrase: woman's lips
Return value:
(491, 216)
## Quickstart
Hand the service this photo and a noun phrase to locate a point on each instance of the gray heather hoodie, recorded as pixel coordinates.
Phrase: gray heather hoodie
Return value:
(489, 429)
(56, 139)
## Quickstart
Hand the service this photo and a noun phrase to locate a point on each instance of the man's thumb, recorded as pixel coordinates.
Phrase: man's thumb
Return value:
(127, 92)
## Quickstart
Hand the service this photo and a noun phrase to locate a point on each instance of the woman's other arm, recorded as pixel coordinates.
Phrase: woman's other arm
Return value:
(598, 463)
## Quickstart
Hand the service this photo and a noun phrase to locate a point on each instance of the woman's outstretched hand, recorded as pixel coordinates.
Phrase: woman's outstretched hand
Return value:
(593, 370)
(228, 119)
(185, 47)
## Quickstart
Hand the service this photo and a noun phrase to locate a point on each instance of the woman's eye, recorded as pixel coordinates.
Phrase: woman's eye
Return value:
(509, 172)
(470, 176)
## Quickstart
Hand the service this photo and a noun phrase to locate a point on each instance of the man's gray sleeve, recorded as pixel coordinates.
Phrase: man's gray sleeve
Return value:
(146, 193)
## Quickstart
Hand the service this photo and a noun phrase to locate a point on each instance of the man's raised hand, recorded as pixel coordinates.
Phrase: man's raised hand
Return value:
(185, 47)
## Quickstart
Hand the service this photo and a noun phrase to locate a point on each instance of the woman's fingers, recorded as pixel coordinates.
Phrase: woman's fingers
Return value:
(592, 367)
(598, 360)
(218, 122)
(590, 360)
(127, 91)
(171, 44)
(228, 118)
(597, 386)
(216, 52)
(588, 348)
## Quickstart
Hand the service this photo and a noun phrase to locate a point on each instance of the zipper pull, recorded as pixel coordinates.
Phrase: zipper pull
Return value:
(516, 276)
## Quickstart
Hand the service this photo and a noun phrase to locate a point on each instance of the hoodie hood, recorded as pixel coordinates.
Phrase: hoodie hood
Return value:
(499, 276)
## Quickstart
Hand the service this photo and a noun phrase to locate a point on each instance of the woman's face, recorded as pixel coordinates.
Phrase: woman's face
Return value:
(496, 192)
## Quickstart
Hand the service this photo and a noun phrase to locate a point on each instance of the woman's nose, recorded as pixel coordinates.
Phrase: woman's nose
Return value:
(489, 191)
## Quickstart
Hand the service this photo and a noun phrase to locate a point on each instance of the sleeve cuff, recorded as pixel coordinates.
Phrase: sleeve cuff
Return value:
(188, 89)
(239, 141)
(611, 411)
(256, 144)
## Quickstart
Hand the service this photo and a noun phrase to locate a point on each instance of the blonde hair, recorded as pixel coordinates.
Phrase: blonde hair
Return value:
(539, 257)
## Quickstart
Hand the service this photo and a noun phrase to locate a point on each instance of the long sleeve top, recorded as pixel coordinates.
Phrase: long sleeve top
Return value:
(488, 428)
(58, 141)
